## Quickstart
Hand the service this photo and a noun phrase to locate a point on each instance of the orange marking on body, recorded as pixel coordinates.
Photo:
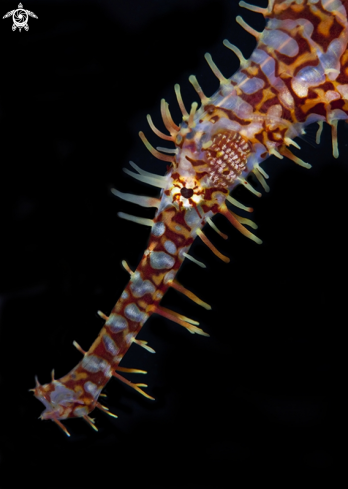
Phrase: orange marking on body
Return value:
(325, 26)
(157, 279)
(142, 304)
(297, 8)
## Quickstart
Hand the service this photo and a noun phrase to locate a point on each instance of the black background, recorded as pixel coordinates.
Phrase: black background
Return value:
(264, 397)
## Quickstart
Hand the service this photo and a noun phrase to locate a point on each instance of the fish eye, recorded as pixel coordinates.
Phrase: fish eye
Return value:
(186, 192)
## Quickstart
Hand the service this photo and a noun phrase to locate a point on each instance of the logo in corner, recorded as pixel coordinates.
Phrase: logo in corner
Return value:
(20, 18)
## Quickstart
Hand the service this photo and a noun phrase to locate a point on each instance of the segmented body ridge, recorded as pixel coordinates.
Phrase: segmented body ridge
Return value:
(297, 75)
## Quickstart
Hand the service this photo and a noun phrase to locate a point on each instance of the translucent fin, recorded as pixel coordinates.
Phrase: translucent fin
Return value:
(243, 220)
(238, 204)
(175, 285)
(37, 385)
(236, 51)
(141, 200)
(262, 171)
(248, 28)
(188, 323)
(144, 172)
(167, 150)
(180, 101)
(291, 142)
(131, 370)
(161, 310)
(126, 267)
(167, 119)
(90, 421)
(248, 186)
(153, 151)
(319, 132)
(273, 151)
(231, 217)
(213, 226)
(149, 178)
(309, 136)
(61, 426)
(295, 159)
(139, 220)
(78, 347)
(215, 69)
(156, 131)
(204, 99)
(254, 8)
(199, 263)
(105, 410)
(143, 344)
(191, 122)
(260, 178)
(335, 151)
(134, 386)
(211, 246)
